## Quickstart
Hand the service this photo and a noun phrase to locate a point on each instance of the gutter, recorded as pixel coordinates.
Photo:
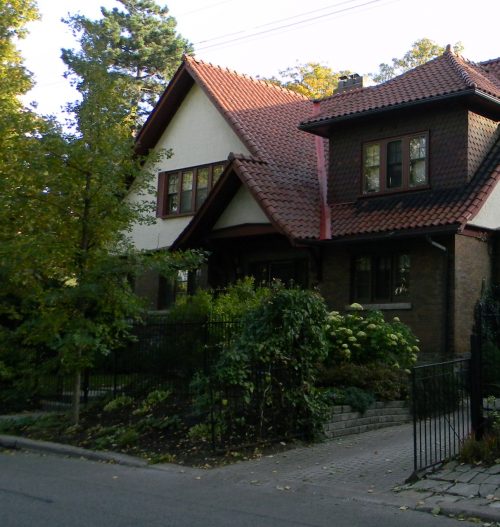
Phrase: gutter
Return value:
(325, 229)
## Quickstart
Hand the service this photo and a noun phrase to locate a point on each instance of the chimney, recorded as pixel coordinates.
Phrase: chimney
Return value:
(353, 81)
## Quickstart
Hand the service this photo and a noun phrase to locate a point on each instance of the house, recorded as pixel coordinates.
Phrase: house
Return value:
(383, 195)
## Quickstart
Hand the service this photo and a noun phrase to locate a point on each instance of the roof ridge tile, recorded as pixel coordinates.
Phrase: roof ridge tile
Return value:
(271, 85)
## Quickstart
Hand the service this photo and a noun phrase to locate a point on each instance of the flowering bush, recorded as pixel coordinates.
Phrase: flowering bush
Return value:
(363, 337)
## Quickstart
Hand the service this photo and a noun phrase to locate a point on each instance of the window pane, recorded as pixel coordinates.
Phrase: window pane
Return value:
(402, 276)
(418, 152)
(362, 278)
(371, 168)
(383, 272)
(218, 169)
(186, 191)
(201, 186)
(181, 284)
(173, 196)
(394, 164)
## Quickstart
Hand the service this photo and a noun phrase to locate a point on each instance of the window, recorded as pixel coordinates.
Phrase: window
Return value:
(287, 271)
(184, 191)
(395, 164)
(381, 278)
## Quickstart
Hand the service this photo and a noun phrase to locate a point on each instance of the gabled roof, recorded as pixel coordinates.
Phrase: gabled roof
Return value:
(281, 172)
(293, 210)
(418, 210)
(445, 76)
(492, 66)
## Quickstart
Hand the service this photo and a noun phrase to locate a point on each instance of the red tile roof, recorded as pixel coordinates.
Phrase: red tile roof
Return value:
(492, 66)
(421, 209)
(282, 171)
(446, 75)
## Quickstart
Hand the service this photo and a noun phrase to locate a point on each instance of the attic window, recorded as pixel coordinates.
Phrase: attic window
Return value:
(394, 164)
(184, 191)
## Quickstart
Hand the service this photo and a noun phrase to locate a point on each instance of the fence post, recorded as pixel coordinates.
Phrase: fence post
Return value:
(86, 385)
(209, 373)
(414, 411)
(476, 388)
(115, 374)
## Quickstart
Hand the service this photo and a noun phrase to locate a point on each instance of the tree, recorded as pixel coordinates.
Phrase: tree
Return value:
(138, 42)
(421, 52)
(66, 258)
(312, 79)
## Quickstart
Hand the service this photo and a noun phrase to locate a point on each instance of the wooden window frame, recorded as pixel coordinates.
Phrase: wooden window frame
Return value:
(163, 189)
(383, 187)
(374, 257)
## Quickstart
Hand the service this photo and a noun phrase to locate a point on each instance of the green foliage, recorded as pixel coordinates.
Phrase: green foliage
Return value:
(421, 52)
(385, 382)
(238, 298)
(366, 337)
(270, 371)
(358, 399)
(230, 303)
(65, 255)
(136, 42)
(152, 401)
(119, 403)
(312, 79)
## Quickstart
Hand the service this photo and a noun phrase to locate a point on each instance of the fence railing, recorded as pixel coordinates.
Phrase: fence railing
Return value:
(441, 404)
(161, 354)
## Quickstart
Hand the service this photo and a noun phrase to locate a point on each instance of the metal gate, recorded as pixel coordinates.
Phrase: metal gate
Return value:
(447, 405)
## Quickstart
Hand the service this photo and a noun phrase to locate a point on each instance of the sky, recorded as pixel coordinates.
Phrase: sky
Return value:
(263, 37)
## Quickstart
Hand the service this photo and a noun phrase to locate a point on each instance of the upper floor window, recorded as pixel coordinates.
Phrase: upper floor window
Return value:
(184, 191)
(395, 164)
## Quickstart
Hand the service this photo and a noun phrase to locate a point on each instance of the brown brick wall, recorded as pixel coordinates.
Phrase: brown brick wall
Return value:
(426, 316)
(472, 267)
(482, 134)
(447, 148)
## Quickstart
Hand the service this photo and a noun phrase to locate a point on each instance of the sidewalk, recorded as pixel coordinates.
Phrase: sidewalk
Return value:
(370, 467)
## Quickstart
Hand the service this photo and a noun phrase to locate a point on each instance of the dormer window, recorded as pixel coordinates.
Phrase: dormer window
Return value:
(184, 191)
(395, 164)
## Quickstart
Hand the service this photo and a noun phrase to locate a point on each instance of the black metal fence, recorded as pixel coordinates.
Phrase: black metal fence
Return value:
(161, 354)
(448, 397)
(441, 407)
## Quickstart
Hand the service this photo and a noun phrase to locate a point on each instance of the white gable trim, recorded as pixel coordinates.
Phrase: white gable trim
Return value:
(488, 216)
(197, 135)
(241, 210)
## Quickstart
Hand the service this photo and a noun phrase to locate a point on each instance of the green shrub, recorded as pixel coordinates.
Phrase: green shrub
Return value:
(364, 337)
(491, 366)
(152, 401)
(270, 372)
(384, 382)
(358, 399)
(119, 403)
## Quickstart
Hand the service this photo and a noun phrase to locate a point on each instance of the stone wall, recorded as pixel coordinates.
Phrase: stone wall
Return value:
(346, 421)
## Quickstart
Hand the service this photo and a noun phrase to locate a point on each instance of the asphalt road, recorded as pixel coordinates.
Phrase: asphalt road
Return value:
(48, 490)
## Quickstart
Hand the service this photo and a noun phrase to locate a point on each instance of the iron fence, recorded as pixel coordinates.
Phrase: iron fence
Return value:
(160, 354)
(441, 405)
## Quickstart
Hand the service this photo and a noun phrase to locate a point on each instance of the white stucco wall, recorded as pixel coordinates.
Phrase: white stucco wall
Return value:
(242, 209)
(197, 135)
(489, 215)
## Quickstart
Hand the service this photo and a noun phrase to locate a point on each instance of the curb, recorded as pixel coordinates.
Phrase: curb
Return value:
(17, 443)
(461, 509)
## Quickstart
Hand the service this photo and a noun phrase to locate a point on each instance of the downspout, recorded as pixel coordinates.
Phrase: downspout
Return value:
(447, 287)
(325, 231)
